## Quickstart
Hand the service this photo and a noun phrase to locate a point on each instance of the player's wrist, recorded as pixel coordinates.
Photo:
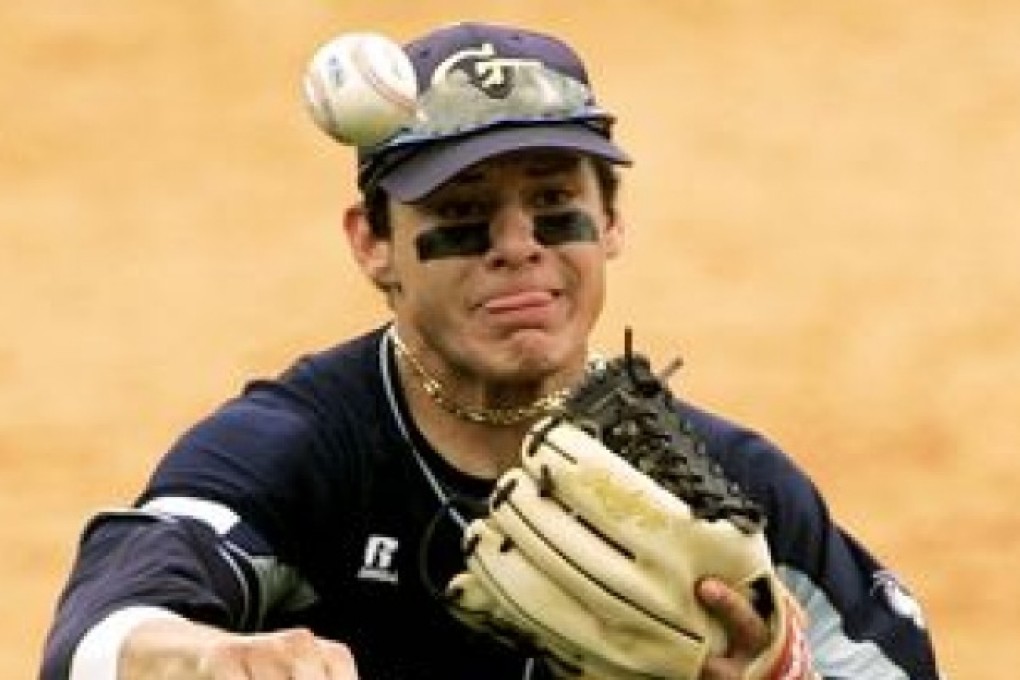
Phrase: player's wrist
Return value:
(791, 656)
(98, 654)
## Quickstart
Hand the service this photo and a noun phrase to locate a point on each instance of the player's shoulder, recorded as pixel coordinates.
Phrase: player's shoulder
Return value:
(319, 414)
(725, 437)
(342, 378)
(321, 401)
(753, 460)
(346, 363)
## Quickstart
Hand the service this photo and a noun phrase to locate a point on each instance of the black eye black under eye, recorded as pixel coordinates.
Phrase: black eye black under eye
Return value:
(454, 240)
(572, 226)
(472, 239)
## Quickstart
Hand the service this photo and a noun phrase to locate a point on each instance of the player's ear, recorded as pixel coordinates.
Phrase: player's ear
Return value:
(613, 237)
(374, 254)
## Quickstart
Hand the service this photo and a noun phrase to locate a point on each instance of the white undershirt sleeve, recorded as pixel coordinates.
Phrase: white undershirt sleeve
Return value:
(98, 653)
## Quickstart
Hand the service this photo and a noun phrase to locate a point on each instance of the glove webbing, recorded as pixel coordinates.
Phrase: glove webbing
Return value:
(631, 410)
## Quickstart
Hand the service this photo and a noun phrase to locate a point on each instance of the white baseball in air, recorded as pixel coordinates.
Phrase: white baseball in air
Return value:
(360, 88)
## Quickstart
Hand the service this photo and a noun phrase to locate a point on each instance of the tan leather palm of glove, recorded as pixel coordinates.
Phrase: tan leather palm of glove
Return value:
(593, 550)
(593, 564)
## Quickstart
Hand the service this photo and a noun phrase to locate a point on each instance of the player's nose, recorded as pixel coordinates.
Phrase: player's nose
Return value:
(513, 238)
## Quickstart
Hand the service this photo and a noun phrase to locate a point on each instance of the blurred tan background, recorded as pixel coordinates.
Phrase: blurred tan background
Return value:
(823, 222)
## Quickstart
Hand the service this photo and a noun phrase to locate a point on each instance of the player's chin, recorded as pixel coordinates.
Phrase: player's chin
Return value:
(547, 350)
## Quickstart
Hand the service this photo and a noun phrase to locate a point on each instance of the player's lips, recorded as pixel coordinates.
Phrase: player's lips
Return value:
(519, 301)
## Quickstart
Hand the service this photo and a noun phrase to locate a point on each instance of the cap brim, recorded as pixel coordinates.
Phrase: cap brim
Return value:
(426, 170)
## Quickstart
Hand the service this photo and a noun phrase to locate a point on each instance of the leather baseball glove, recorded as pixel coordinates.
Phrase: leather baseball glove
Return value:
(592, 548)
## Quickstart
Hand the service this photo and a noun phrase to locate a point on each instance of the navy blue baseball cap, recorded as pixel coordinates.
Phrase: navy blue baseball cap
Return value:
(484, 90)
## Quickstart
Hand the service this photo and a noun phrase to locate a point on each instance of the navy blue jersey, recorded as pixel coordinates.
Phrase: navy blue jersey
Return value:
(313, 500)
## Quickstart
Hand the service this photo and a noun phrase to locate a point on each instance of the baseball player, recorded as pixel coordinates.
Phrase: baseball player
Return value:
(305, 528)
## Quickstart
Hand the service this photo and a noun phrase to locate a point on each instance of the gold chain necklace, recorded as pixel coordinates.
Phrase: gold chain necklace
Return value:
(477, 414)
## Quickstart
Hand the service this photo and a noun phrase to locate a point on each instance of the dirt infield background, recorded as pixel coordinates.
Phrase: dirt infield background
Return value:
(823, 222)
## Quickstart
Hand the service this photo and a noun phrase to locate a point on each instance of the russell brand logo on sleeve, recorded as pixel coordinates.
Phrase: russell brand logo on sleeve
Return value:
(380, 560)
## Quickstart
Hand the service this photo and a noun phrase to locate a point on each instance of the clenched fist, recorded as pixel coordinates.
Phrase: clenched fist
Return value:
(175, 649)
